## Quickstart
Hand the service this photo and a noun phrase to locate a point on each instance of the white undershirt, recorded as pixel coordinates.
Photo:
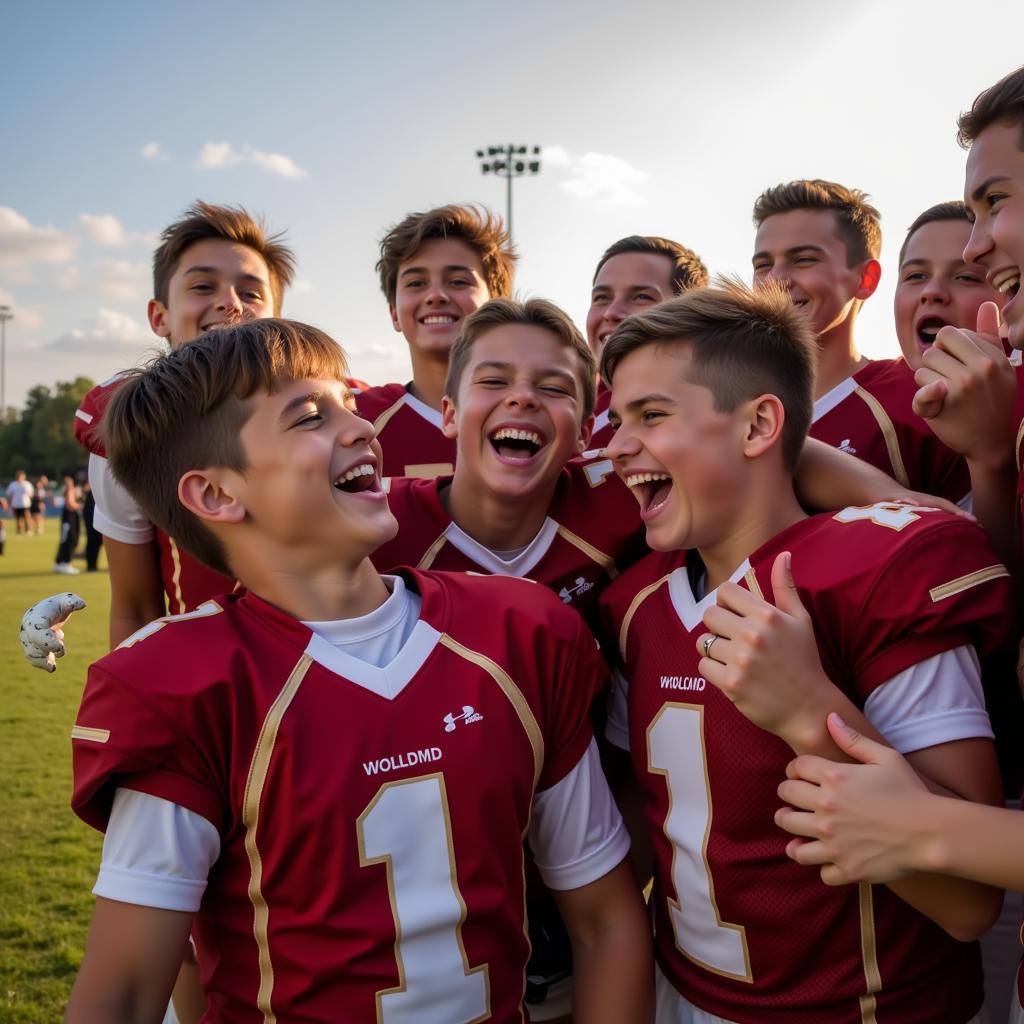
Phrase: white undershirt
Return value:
(159, 854)
(117, 513)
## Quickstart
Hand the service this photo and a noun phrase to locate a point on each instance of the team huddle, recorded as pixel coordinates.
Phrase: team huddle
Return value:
(414, 688)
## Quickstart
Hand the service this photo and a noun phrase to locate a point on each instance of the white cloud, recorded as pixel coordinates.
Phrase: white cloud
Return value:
(102, 228)
(22, 244)
(24, 316)
(153, 151)
(107, 332)
(215, 155)
(119, 279)
(302, 286)
(598, 176)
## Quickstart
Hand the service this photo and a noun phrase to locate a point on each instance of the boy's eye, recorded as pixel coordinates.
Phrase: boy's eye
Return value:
(994, 197)
(803, 260)
(556, 389)
(914, 275)
(650, 415)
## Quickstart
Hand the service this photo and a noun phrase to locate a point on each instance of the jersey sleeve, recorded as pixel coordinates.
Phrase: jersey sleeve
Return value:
(122, 739)
(155, 853)
(576, 832)
(941, 589)
(117, 514)
(578, 674)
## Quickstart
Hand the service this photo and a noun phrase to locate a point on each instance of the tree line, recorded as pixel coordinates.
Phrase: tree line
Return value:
(40, 437)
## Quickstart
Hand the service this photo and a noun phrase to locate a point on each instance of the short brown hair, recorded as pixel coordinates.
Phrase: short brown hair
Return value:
(232, 224)
(186, 409)
(534, 313)
(480, 229)
(953, 210)
(858, 223)
(742, 342)
(1003, 102)
(688, 270)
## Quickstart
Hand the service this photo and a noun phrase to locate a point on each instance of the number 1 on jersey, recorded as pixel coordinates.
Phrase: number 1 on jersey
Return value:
(675, 749)
(406, 827)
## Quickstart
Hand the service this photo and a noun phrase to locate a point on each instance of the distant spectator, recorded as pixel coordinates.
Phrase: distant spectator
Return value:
(39, 504)
(3, 525)
(93, 537)
(20, 494)
(70, 526)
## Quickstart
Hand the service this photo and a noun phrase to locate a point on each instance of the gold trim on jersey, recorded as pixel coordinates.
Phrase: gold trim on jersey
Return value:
(972, 579)
(257, 778)
(1017, 443)
(387, 860)
(176, 576)
(427, 470)
(81, 732)
(634, 606)
(753, 586)
(869, 953)
(433, 551)
(385, 417)
(892, 443)
(605, 561)
(513, 694)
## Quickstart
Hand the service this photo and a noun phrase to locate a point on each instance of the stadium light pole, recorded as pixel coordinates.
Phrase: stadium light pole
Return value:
(509, 162)
(5, 315)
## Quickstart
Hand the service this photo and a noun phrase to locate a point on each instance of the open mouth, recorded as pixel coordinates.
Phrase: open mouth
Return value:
(516, 444)
(438, 320)
(928, 328)
(358, 480)
(650, 489)
(1007, 282)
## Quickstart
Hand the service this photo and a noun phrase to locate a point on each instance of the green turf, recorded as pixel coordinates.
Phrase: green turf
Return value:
(48, 858)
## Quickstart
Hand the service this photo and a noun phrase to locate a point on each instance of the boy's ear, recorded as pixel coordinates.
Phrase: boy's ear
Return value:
(870, 275)
(766, 417)
(586, 431)
(448, 427)
(394, 317)
(204, 494)
(156, 311)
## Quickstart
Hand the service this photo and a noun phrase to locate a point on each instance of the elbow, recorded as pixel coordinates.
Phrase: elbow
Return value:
(973, 921)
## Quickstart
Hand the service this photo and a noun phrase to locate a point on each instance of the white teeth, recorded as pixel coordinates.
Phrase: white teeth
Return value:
(507, 433)
(439, 319)
(1005, 280)
(364, 470)
(645, 478)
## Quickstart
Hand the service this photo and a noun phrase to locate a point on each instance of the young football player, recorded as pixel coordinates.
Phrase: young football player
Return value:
(333, 787)
(821, 241)
(712, 395)
(215, 266)
(435, 268)
(634, 274)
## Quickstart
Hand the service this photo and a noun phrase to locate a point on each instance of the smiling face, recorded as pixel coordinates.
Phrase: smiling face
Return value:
(216, 283)
(517, 415)
(631, 282)
(681, 457)
(802, 251)
(994, 194)
(311, 482)
(438, 286)
(936, 288)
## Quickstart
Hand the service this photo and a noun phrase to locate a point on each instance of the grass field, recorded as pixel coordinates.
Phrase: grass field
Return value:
(48, 858)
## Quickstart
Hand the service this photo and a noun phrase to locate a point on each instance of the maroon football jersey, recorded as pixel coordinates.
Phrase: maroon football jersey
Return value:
(591, 534)
(409, 432)
(870, 415)
(741, 930)
(371, 863)
(603, 430)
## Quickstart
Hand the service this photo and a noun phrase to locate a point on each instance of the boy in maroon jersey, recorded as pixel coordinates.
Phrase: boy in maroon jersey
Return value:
(216, 266)
(331, 788)
(632, 275)
(435, 268)
(712, 395)
(968, 396)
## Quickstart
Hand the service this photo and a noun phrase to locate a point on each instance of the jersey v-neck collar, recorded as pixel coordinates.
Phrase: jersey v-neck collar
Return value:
(431, 415)
(689, 610)
(521, 565)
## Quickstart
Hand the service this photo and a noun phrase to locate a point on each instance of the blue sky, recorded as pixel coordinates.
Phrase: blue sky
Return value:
(335, 119)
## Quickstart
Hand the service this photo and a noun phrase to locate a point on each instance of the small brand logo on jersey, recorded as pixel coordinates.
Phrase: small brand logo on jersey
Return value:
(469, 714)
(845, 446)
(581, 586)
(683, 682)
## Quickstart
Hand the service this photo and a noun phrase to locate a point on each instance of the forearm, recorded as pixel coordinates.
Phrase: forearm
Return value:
(808, 732)
(97, 1007)
(963, 908)
(994, 501)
